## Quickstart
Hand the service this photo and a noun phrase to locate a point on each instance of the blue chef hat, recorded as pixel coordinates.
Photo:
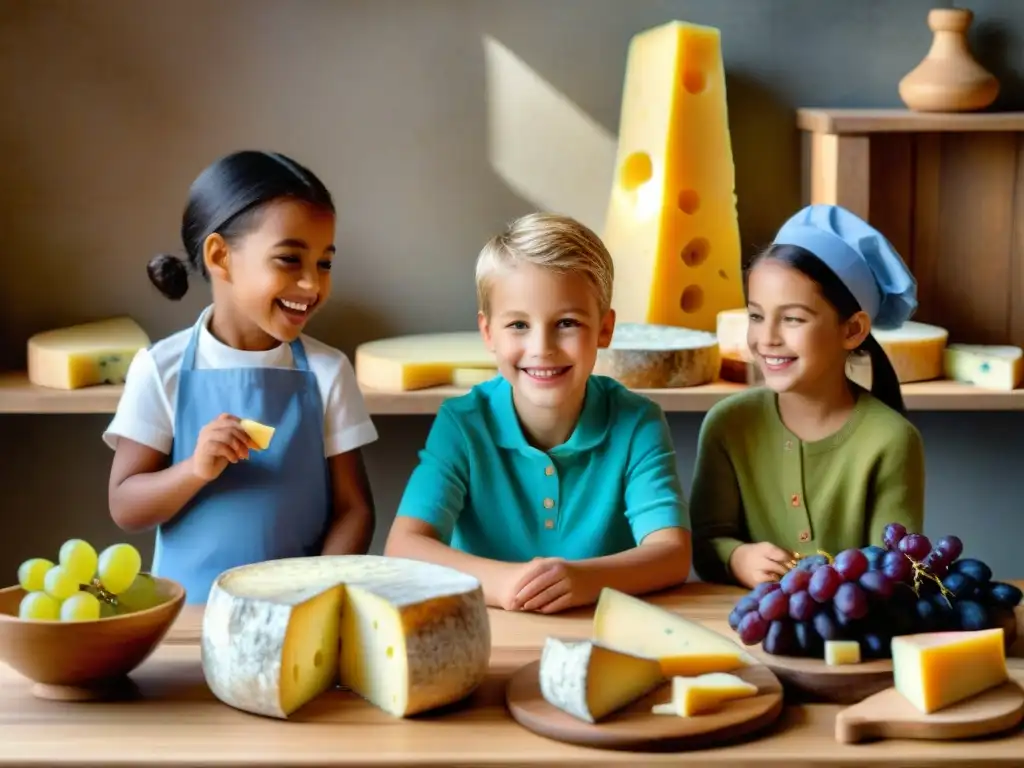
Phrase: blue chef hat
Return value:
(862, 258)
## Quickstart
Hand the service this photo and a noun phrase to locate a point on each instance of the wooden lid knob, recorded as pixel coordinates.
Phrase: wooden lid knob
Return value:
(950, 19)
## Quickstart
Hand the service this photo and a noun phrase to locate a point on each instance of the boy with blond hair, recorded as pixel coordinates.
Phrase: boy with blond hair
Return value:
(547, 483)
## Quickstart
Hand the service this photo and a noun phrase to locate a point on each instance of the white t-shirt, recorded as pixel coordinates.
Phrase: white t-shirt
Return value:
(145, 412)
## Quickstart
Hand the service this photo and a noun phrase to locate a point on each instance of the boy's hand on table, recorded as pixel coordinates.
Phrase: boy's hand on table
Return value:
(547, 585)
(753, 564)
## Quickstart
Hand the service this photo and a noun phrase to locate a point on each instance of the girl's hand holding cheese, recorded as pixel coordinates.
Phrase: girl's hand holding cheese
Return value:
(221, 442)
(259, 228)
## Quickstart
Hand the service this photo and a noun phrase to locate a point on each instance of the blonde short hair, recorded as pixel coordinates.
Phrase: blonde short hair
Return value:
(550, 241)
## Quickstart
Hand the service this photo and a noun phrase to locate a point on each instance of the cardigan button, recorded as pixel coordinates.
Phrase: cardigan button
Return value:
(795, 499)
(805, 535)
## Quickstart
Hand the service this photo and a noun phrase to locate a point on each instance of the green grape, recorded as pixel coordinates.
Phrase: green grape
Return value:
(40, 606)
(82, 606)
(32, 572)
(79, 559)
(141, 595)
(107, 610)
(59, 583)
(119, 564)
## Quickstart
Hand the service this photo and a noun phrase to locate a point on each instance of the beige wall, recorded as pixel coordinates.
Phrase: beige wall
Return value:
(111, 108)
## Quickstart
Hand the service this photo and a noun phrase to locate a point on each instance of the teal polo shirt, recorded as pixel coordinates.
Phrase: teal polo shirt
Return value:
(488, 492)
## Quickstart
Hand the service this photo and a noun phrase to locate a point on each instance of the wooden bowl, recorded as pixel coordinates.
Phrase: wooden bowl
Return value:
(82, 660)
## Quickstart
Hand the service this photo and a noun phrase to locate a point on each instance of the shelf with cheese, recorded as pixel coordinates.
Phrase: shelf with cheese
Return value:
(19, 395)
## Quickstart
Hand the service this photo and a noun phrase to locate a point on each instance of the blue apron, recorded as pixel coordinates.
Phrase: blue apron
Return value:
(275, 504)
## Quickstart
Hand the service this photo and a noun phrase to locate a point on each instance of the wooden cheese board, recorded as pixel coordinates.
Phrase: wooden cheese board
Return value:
(636, 728)
(811, 679)
(888, 715)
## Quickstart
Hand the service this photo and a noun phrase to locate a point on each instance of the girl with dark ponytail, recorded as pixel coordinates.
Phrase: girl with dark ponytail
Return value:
(810, 461)
(238, 439)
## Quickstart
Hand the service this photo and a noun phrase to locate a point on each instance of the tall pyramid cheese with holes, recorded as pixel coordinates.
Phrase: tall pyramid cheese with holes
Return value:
(407, 636)
(671, 226)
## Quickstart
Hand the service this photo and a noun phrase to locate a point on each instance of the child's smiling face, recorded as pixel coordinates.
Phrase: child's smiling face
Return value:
(280, 272)
(545, 329)
(793, 332)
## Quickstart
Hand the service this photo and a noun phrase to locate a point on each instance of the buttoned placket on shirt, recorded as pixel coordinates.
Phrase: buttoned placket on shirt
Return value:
(797, 515)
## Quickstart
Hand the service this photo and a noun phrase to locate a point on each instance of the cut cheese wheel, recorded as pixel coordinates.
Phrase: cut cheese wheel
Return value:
(425, 360)
(936, 670)
(85, 355)
(261, 434)
(988, 366)
(407, 636)
(699, 695)
(682, 647)
(589, 681)
(648, 356)
(914, 349)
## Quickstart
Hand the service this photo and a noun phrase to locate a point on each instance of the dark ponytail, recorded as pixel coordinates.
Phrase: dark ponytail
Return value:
(885, 385)
(225, 199)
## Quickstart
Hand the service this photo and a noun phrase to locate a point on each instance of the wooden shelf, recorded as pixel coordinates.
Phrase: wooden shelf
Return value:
(18, 395)
(851, 121)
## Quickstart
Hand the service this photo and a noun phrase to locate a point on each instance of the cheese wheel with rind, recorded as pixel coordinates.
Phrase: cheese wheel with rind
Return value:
(650, 356)
(85, 355)
(407, 636)
(418, 361)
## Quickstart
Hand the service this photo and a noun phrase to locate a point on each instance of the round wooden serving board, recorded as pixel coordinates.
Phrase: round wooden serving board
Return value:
(635, 727)
(814, 680)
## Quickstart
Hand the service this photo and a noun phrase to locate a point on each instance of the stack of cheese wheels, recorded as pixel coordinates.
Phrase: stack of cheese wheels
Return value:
(914, 349)
(407, 636)
(648, 356)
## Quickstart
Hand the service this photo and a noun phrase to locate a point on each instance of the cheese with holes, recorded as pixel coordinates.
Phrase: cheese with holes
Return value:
(671, 225)
(648, 356)
(590, 681)
(405, 635)
(682, 647)
(85, 355)
(914, 349)
(699, 695)
(261, 434)
(405, 363)
(842, 652)
(936, 670)
(988, 366)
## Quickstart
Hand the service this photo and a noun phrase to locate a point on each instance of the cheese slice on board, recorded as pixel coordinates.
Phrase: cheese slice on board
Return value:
(405, 635)
(914, 349)
(672, 227)
(682, 647)
(85, 355)
(705, 693)
(988, 366)
(405, 363)
(936, 670)
(589, 681)
(648, 356)
(261, 434)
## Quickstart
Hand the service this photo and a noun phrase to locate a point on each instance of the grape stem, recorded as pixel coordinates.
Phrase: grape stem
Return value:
(99, 592)
(920, 571)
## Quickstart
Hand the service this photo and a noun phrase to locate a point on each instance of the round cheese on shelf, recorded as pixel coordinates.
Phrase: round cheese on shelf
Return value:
(405, 635)
(648, 356)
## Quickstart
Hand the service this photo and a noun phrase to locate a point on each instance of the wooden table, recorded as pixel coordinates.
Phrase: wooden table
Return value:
(178, 722)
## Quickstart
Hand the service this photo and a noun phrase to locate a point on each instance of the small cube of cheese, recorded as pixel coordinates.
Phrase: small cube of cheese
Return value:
(261, 434)
(842, 652)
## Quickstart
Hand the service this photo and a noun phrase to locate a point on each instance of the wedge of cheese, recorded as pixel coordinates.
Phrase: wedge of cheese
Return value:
(85, 355)
(407, 636)
(405, 363)
(988, 366)
(699, 695)
(682, 647)
(648, 356)
(590, 681)
(261, 434)
(672, 227)
(936, 670)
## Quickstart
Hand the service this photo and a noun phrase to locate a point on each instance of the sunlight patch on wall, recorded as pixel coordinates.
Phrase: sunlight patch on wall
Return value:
(544, 147)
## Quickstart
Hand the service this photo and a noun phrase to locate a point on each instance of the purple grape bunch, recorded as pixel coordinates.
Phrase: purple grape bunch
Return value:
(872, 594)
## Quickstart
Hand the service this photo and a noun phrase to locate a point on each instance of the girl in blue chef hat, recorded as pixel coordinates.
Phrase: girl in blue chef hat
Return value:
(810, 461)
